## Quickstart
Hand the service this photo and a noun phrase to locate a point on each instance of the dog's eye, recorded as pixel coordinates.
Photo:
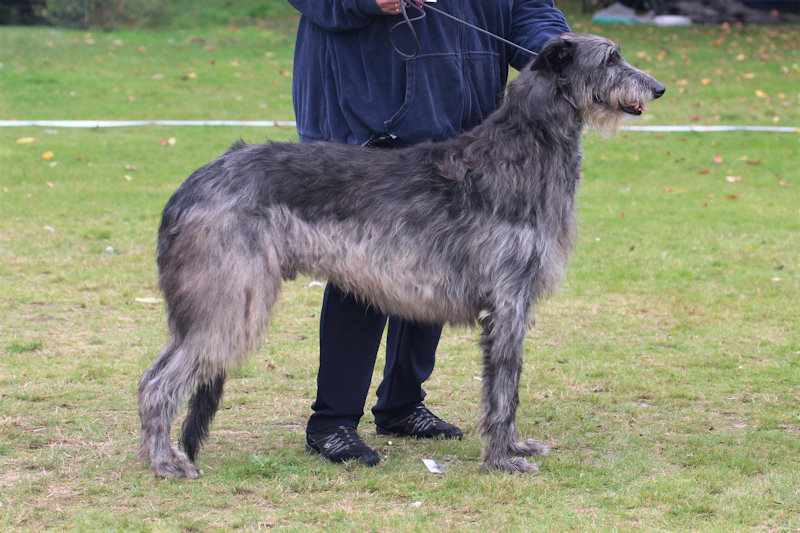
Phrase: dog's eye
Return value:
(613, 57)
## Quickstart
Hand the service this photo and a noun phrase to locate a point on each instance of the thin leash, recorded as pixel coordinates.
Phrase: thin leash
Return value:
(420, 5)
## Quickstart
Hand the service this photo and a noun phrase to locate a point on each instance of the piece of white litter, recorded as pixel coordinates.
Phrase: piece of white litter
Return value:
(434, 467)
(672, 20)
(109, 250)
(149, 300)
(50, 229)
(416, 504)
(477, 378)
(316, 283)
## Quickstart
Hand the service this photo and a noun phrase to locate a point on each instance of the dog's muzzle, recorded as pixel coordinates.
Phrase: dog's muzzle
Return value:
(637, 108)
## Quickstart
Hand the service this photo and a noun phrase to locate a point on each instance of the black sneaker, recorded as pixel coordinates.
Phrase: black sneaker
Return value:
(420, 423)
(341, 444)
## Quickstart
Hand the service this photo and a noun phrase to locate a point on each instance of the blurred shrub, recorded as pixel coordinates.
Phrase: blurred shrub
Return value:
(109, 14)
(103, 13)
(21, 11)
(84, 14)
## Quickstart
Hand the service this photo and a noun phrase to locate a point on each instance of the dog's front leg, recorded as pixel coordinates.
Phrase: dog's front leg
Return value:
(502, 342)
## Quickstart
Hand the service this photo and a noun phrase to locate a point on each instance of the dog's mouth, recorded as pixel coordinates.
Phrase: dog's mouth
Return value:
(634, 108)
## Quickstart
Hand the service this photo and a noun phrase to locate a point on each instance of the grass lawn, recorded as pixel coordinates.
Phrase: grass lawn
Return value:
(665, 373)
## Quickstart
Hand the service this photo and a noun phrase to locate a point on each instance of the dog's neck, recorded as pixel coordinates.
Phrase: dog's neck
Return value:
(536, 103)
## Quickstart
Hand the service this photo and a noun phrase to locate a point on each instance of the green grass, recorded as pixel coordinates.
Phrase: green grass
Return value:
(664, 373)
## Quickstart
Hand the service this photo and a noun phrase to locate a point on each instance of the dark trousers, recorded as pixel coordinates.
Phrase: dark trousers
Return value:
(349, 338)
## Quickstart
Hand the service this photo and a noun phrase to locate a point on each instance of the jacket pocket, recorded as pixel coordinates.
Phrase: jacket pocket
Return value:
(446, 94)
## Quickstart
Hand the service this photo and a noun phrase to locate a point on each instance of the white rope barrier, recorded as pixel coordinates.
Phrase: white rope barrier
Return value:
(292, 124)
(128, 123)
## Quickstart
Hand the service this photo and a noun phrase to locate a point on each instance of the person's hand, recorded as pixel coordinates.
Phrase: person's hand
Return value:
(390, 7)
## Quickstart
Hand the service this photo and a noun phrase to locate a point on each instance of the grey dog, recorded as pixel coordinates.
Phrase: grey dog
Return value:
(473, 229)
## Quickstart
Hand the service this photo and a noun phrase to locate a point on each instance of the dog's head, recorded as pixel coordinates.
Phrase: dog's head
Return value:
(595, 78)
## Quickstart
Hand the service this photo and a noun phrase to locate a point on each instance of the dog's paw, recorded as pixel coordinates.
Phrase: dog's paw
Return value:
(513, 465)
(529, 447)
(177, 466)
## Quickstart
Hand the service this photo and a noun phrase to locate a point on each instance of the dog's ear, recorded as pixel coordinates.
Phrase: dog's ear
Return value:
(556, 55)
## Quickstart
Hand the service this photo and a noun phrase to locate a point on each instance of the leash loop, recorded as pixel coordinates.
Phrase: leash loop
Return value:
(407, 22)
(420, 5)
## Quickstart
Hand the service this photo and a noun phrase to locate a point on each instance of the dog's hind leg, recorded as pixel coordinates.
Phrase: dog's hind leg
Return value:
(219, 285)
(202, 408)
(161, 389)
(502, 341)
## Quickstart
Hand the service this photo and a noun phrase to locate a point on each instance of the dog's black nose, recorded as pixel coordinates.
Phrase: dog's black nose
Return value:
(658, 90)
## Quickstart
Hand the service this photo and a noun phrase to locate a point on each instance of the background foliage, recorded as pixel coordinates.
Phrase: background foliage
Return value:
(107, 14)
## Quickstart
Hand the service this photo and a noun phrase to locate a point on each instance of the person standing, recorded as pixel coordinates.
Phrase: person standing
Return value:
(351, 86)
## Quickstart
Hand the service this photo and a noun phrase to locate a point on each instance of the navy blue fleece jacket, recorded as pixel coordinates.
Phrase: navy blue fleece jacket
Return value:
(349, 83)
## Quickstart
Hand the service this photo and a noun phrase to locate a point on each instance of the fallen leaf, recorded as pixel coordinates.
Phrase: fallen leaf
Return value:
(760, 93)
(704, 172)
(47, 155)
(733, 196)
(732, 179)
(149, 300)
(717, 159)
(25, 140)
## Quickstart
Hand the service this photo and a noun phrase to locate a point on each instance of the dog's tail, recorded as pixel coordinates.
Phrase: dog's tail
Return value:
(202, 408)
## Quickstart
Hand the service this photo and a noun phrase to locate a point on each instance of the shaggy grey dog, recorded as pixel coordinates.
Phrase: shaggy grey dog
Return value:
(476, 228)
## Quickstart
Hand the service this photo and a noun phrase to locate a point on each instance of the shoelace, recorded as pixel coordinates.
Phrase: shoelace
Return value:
(422, 419)
(344, 437)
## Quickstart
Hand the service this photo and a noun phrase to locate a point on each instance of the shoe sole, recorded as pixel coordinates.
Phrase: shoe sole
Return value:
(390, 433)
